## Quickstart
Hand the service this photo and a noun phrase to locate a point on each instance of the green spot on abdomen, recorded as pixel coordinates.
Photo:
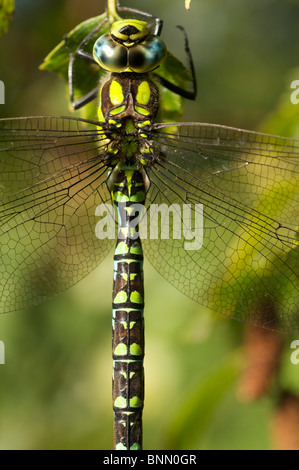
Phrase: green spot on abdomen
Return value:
(138, 197)
(136, 298)
(135, 447)
(136, 249)
(120, 446)
(121, 350)
(120, 197)
(135, 402)
(135, 349)
(121, 297)
(120, 402)
(121, 249)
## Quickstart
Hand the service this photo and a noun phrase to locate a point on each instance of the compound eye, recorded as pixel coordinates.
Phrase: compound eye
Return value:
(110, 55)
(148, 55)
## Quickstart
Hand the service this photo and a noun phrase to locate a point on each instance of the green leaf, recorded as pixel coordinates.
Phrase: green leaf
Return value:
(171, 106)
(7, 8)
(175, 72)
(195, 415)
(86, 75)
(58, 59)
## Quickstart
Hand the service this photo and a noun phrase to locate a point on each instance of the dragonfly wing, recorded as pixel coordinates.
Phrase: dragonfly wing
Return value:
(248, 186)
(52, 177)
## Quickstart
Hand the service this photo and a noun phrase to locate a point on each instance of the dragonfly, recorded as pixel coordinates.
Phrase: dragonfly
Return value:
(226, 200)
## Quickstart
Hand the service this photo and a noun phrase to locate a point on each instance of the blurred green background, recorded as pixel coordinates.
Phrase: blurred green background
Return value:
(55, 388)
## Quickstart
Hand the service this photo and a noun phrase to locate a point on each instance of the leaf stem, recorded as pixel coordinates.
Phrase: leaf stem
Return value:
(112, 13)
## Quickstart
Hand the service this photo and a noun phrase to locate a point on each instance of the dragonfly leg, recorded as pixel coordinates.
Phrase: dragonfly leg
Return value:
(81, 54)
(158, 22)
(190, 95)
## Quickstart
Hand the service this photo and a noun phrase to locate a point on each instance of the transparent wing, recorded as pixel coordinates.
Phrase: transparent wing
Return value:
(52, 177)
(248, 186)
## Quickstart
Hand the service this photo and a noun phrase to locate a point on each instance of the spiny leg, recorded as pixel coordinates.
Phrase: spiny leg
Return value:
(158, 22)
(190, 95)
(80, 53)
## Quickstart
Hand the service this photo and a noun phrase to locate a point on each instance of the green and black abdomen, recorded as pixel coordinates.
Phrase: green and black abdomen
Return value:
(128, 305)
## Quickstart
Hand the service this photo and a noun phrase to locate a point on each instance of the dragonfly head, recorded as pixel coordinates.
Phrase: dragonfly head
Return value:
(129, 47)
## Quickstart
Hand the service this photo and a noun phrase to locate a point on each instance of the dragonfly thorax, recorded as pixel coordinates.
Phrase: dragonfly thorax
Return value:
(125, 95)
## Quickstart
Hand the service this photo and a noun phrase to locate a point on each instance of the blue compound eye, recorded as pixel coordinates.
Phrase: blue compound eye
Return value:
(148, 55)
(110, 55)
